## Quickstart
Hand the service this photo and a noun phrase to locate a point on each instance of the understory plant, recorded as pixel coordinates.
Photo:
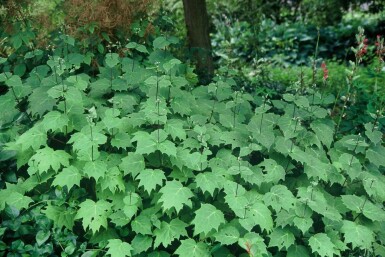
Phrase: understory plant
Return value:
(137, 160)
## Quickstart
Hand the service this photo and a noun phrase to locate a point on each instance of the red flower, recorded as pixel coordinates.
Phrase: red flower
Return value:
(325, 70)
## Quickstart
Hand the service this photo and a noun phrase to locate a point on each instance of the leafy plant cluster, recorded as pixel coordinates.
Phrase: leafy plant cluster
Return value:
(135, 159)
(288, 43)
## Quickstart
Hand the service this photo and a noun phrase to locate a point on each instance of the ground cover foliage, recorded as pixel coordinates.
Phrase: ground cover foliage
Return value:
(134, 158)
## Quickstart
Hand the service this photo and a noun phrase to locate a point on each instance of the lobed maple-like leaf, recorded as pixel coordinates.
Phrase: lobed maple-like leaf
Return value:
(175, 195)
(118, 248)
(69, 177)
(61, 216)
(168, 232)
(94, 214)
(320, 243)
(207, 218)
(190, 248)
(149, 179)
(358, 235)
(47, 158)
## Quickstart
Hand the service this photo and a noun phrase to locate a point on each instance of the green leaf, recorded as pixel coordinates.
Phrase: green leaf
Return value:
(112, 59)
(324, 130)
(175, 195)
(142, 225)
(132, 164)
(168, 232)
(279, 198)
(273, 171)
(167, 147)
(207, 218)
(149, 179)
(96, 169)
(121, 140)
(190, 248)
(320, 243)
(68, 177)
(117, 248)
(297, 251)
(281, 238)
(16, 200)
(138, 47)
(42, 236)
(366, 207)
(54, 121)
(94, 214)
(207, 182)
(140, 244)
(358, 235)
(254, 243)
(35, 137)
(373, 134)
(227, 235)
(257, 214)
(47, 158)
(376, 155)
(145, 143)
(112, 180)
(60, 216)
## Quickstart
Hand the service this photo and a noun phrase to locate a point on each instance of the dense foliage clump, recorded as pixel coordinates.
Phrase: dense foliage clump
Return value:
(118, 151)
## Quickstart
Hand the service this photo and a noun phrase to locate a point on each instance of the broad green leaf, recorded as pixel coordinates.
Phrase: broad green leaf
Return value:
(282, 238)
(112, 180)
(112, 59)
(167, 147)
(142, 225)
(364, 206)
(174, 127)
(190, 248)
(14, 199)
(96, 169)
(297, 251)
(168, 232)
(145, 143)
(175, 195)
(47, 158)
(358, 235)
(280, 197)
(35, 137)
(227, 235)
(94, 214)
(118, 248)
(121, 140)
(207, 218)
(320, 243)
(149, 179)
(54, 121)
(138, 47)
(257, 214)
(274, 172)
(68, 177)
(132, 164)
(60, 216)
(324, 130)
(207, 182)
(159, 254)
(374, 185)
(254, 243)
(349, 164)
(140, 244)
(376, 155)
(42, 236)
(374, 135)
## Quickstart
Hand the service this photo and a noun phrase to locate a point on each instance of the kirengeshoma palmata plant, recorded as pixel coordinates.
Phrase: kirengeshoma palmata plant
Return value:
(139, 161)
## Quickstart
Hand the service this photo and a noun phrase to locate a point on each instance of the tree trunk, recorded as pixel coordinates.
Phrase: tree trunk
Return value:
(197, 23)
